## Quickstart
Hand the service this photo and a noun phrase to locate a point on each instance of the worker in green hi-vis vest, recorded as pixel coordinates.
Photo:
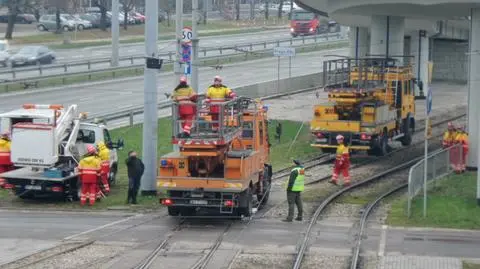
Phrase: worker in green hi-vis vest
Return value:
(295, 186)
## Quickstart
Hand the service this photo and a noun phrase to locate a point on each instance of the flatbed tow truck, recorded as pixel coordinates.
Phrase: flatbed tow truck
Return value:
(222, 171)
(47, 144)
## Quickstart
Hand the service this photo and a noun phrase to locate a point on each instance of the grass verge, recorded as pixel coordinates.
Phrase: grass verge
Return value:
(135, 33)
(467, 265)
(280, 157)
(451, 204)
(99, 76)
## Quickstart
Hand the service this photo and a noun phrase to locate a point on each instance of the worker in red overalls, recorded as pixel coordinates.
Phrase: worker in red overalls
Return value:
(5, 154)
(449, 138)
(218, 93)
(462, 139)
(89, 170)
(104, 155)
(186, 98)
(342, 162)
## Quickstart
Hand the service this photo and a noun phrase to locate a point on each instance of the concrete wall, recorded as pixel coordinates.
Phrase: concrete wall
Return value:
(450, 61)
(285, 86)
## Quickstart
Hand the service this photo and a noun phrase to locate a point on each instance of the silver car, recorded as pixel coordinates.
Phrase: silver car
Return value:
(4, 54)
(49, 22)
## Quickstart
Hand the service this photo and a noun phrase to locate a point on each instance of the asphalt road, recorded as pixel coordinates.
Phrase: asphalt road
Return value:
(205, 51)
(110, 96)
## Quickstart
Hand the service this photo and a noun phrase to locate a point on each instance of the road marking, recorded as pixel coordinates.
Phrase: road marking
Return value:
(383, 241)
(102, 227)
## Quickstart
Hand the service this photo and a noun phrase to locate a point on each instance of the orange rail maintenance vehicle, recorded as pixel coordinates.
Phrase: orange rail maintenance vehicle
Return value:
(371, 101)
(221, 170)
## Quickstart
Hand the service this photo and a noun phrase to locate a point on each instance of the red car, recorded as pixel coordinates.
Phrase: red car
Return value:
(139, 18)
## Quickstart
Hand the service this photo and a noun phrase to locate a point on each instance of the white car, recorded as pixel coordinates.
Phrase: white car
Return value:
(4, 54)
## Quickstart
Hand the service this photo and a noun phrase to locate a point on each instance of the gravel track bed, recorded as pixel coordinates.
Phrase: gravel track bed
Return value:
(285, 261)
(92, 256)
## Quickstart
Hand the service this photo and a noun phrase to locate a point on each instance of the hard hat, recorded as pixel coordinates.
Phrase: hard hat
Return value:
(217, 78)
(297, 162)
(5, 134)
(183, 79)
(339, 137)
(450, 125)
(91, 149)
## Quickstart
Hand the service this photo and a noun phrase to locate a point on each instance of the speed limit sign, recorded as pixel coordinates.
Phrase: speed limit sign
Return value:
(187, 35)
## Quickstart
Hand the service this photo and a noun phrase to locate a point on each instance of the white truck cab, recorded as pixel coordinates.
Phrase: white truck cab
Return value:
(47, 143)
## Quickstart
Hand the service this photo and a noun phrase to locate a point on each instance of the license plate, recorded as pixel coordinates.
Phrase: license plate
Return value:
(198, 202)
(33, 187)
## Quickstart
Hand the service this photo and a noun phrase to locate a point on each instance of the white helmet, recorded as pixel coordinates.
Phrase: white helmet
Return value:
(339, 137)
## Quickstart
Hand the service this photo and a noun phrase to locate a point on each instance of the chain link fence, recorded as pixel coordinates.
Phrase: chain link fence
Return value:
(439, 164)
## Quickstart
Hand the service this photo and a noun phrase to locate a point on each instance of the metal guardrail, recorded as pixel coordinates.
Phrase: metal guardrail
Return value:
(439, 164)
(170, 56)
(33, 82)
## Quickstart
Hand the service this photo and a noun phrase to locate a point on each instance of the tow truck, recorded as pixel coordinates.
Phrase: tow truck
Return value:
(219, 171)
(47, 143)
(371, 101)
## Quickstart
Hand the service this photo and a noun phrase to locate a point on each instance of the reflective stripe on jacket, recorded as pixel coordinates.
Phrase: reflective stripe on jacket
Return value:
(218, 93)
(342, 153)
(89, 168)
(449, 138)
(182, 94)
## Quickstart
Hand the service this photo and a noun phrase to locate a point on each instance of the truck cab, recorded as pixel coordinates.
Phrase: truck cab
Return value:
(304, 23)
(47, 143)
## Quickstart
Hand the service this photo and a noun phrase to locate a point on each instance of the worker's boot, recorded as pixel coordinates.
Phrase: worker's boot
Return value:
(334, 182)
(299, 219)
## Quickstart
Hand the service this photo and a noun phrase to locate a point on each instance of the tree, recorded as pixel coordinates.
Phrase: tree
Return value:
(267, 9)
(280, 9)
(127, 7)
(103, 6)
(237, 10)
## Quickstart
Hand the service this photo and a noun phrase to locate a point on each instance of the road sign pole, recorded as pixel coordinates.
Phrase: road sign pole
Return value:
(428, 109)
(194, 62)
(115, 32)
(278, 75)
(289, 67)
(179, 30)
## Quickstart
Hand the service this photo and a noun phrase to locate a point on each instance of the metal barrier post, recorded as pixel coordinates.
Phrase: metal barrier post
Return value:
(131, 118)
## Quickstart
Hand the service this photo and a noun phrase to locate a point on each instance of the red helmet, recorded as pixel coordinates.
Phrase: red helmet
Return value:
(5, 135)
(91, 149)
(183, 79)
(217, 78)
(339, 137)
(450, 126)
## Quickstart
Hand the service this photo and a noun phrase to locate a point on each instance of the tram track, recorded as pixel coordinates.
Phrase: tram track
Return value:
(396, 175)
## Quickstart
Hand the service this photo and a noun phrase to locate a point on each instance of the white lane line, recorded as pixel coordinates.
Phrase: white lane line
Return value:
(383, 241)
(102, 227)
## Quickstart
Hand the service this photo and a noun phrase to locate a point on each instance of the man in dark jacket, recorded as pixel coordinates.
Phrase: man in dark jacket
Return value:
(295, 187)
(135, 170)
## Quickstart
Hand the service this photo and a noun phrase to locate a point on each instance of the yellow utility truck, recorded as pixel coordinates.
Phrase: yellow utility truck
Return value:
(371, 101)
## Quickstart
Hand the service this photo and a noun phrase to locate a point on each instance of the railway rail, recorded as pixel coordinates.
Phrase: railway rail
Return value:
(397, 173)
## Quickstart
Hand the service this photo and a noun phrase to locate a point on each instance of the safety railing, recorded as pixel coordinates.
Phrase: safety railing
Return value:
(103, 63)
(439, 164)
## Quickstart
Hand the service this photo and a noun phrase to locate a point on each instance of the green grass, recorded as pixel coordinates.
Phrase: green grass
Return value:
(451, 204)
(467, 265)
(74, 79)
(135, 33)
(280, 157)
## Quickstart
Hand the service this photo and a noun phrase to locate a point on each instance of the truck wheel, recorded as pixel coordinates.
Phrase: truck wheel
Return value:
(246, 200)
(266, 194)
(407, 139)
(383, 145)
(173, 211)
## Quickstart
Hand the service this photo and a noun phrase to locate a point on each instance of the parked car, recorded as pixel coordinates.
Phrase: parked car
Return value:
(81, 24)
(49, 22)
(139, 18)
(21, 18)
(31, 55)
(95, 19)
(4, 52)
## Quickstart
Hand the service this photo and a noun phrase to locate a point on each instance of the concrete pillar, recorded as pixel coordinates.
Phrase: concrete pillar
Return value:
(387, 36)
(474, 94)
(358, 42)
(419, 46)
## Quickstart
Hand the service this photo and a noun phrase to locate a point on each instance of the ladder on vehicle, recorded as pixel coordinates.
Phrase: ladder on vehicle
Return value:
(392, 85)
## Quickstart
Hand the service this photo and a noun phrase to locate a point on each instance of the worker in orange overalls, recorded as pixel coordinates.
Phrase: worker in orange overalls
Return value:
(449, 140)
(218, 93)
(89, 169)
(104, 155)
(462, 138)
(342, 162)
(5, 161)
(186, 97)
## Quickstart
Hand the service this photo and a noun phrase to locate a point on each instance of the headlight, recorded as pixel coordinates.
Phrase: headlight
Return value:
(311, 29)
(292, 29)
